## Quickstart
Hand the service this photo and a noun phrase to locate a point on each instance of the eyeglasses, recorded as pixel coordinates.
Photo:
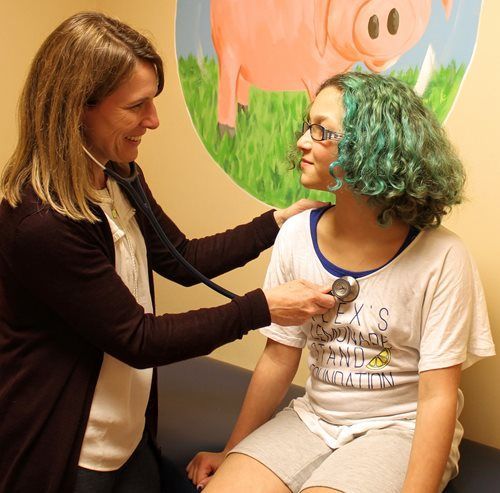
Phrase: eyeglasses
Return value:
(319, 133)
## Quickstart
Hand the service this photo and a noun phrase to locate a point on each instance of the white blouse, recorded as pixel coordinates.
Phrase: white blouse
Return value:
(117, 416)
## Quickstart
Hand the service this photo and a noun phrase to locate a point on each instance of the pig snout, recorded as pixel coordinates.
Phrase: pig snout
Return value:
(392, 24)
(384, 30)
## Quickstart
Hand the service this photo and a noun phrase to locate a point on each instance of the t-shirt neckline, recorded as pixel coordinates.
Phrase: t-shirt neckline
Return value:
(339, 271)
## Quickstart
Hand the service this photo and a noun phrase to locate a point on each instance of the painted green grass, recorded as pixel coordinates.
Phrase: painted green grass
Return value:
(257, 157)
(443, 88)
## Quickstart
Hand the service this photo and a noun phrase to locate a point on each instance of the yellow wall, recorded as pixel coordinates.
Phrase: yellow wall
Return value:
(202, 199)
(25, 24)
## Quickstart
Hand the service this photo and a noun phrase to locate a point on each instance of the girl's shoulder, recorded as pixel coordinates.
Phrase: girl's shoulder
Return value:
(441, 239)
(302, 221)
(440, 247)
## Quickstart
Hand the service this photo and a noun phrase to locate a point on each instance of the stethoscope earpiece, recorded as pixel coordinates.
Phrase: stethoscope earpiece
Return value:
(345, 289)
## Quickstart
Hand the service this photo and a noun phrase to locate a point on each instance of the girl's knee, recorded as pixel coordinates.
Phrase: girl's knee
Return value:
(249, 474)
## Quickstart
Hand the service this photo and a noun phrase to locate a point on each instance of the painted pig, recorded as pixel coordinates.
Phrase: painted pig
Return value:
(289, 45)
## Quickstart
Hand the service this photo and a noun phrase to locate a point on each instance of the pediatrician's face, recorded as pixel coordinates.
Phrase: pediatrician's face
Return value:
(327, 110)
(114, 127)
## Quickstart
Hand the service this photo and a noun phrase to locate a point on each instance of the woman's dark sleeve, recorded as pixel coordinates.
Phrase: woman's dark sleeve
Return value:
(212, 255)
(62, 265)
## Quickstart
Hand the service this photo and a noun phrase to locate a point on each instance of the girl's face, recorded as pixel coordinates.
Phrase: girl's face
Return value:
(327, 110)
(114, 127)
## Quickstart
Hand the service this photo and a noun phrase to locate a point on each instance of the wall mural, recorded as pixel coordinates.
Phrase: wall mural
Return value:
(249, 70)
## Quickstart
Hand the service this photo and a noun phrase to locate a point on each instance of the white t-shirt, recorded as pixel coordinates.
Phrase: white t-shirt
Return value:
(117, 416)
(423, 310)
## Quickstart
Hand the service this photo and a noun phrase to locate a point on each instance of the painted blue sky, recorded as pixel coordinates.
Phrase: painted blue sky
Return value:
(452, 40)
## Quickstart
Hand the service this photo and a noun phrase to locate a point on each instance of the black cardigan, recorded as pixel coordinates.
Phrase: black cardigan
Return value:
(62, 305)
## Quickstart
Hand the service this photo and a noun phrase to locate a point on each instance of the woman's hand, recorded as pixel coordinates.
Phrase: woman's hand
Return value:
(203, 466)
(296, 301)
(281, 215)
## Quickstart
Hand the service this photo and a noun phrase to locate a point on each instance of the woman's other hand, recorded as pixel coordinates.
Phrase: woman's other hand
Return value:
(296, 301)
(203, 466)
(281, 215)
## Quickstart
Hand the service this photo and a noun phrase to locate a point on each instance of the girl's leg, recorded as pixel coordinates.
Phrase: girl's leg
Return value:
(375, 461)
(278, 457)
(245, 475)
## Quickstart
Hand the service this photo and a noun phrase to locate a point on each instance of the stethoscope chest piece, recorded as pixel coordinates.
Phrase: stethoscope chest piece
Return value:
(345, 289)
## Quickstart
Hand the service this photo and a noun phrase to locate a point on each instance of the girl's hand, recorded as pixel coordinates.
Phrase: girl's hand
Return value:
(203, 466)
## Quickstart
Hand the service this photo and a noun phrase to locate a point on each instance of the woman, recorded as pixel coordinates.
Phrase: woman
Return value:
(79, 338)
(382, 400)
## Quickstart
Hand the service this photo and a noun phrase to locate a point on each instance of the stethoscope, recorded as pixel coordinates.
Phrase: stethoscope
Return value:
(345, 289)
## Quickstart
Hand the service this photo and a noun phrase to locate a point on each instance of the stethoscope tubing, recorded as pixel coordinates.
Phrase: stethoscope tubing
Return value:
(133, 186)
(344, 289)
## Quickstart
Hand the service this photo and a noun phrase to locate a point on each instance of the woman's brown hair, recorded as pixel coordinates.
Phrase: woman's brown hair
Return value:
(81, 62)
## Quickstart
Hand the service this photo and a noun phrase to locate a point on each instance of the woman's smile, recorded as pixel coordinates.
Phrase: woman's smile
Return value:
(115, 126)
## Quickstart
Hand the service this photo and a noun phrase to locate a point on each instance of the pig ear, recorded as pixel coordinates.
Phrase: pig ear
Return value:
(448, 5)
(321, 9)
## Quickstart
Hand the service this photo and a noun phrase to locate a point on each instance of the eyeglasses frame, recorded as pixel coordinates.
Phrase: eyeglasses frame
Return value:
(325, 133)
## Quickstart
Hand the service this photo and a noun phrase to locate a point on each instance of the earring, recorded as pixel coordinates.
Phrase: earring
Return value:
(338, 181)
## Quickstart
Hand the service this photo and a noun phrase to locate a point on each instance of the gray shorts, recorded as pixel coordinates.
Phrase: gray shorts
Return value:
(374, 461)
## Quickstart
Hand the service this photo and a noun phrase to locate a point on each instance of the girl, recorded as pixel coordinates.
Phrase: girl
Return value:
(382, 399)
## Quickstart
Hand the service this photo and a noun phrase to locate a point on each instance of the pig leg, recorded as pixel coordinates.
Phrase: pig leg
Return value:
(226, 130)
(243, 91)
(228, 75)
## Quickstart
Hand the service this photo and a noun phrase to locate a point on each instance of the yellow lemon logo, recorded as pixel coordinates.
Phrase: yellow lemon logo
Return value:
(380, 361)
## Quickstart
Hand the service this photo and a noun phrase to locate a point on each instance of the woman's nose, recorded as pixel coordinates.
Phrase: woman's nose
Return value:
(151, 119)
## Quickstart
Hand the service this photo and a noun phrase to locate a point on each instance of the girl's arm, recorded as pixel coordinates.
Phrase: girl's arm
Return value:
(271, 379)
(436, 419)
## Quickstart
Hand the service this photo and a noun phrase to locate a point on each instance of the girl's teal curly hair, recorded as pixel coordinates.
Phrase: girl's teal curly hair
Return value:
(395, 151)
